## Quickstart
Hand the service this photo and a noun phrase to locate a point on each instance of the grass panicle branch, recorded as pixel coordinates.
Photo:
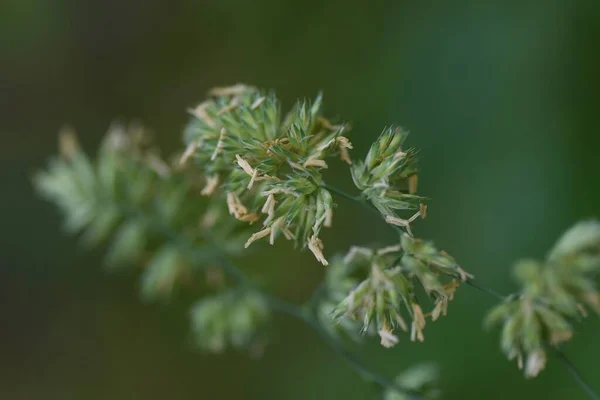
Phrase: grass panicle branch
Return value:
(250, 173)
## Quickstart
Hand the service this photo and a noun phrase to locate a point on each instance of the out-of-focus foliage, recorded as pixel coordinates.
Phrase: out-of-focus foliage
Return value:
(421, 378)
(231, 318)
(155, 218)
(134, 198)
(553, 295)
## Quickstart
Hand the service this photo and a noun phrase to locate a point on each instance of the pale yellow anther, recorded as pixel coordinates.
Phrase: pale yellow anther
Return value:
(189, 152)
(249, 218)
(328, 218)
(413, 182)
(287, 233)
(235, 206)
(252, 172)
(315, 162)
(344, 146)
(418, 324)
(441, 308)
(278, 225)
(200, 113)
(536, 362)
(464, 276)
(257, 103)
(423, 210)
(220, 145)
(253, 178)
(211, 184)
(269, 206)
(258, 235)
(388, 339)
(316, 246)
(234, 90)
(235, 102)
(405, 223)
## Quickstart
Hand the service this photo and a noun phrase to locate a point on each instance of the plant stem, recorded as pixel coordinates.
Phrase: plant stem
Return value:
(361, 202)
(341, 193)
(576, 374)
(485, 289)
(360, 368)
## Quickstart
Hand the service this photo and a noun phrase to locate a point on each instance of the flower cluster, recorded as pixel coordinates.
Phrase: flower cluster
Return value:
(231, 318)
(133, 199)
(267, 166)
(384, 282)
(553, 294)
(388, 178)
(244, 158)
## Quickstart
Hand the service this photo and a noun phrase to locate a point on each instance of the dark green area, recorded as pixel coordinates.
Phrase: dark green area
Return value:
(502, 97)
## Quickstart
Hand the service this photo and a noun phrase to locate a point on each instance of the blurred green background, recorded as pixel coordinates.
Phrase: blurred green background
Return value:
(501, 96)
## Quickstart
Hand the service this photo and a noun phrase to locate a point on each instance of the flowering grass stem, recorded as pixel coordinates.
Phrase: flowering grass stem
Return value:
(259, 165)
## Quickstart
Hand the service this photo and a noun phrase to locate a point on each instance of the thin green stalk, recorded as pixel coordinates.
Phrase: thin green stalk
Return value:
(576, 374)
(362, 202)
(341, 193)
(485, 289)
(278, 304)
(359, 367)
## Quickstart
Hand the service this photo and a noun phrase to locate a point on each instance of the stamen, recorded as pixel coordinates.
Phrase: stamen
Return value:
(220, 145)
(211, 184)
(258, 235)
(257, 103)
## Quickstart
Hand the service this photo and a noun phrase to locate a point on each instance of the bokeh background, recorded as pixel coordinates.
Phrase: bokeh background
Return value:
(501, 96)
